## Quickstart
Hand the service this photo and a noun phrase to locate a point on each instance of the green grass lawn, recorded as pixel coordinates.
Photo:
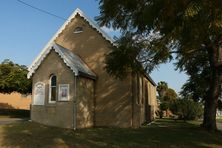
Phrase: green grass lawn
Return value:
(162, 133)
(4, 116)
(219, 119)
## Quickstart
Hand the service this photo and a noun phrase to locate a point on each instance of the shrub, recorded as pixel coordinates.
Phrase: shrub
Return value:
(164, 106)
(159, 113)
(187, 109)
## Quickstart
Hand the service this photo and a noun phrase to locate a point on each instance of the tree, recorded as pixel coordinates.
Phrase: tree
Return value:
(162, 88)
(165, 93)
(170, 95)
(13, 78)
(166, 96)
(198, 69)
(187, 109)
(153, 31)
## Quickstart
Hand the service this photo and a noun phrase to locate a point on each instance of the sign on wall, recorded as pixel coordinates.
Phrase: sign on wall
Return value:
(39, 94)
(63, 92)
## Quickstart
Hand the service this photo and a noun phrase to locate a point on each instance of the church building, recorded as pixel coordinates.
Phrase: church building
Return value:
(71, 88)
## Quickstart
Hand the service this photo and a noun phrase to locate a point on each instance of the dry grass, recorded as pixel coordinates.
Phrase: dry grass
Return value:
(162, 133)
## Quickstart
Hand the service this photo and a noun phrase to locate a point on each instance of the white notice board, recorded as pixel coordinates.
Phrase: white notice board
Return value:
(39, 94)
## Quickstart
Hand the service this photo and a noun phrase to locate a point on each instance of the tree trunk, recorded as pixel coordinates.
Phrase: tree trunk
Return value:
(210, 106)
(209, 121)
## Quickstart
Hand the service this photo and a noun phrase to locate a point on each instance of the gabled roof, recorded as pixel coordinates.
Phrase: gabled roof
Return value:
(71, 60)
(36, 63)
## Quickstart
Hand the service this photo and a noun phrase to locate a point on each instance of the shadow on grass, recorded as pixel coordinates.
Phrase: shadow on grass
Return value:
(30, 134)
(15, 113)
(171, 123)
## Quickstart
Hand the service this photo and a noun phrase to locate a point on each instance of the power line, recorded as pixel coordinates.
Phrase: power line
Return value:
(41, 10)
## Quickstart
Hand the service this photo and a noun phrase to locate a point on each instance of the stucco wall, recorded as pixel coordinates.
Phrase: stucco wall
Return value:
(112, 97)
(85, 102)
(60, 113)
(136, 109)
(153, 100)
(144, 100)
(15, 100)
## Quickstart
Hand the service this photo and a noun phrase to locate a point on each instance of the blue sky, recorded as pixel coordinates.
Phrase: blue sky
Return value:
(24, 32)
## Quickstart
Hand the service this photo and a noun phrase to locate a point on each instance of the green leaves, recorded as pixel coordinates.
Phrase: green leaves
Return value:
(187, 109)
(189, 29)
(13, 77)
(165, 93)
(192, 9)
(122, 60)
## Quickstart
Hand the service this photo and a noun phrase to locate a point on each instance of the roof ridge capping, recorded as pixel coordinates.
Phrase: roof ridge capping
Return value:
(50, 42)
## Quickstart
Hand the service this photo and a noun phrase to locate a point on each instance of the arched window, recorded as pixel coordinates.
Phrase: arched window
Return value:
(52, 89)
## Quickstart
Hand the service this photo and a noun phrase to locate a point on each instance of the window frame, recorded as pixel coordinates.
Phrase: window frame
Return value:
(50, 89)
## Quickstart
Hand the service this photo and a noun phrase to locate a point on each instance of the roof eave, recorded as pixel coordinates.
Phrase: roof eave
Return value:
(150, 79)
(87, 75)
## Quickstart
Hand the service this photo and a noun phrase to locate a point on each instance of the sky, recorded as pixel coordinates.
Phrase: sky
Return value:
(24, 31)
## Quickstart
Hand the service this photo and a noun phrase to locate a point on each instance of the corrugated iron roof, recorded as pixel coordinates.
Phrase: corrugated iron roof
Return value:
(73, 61)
